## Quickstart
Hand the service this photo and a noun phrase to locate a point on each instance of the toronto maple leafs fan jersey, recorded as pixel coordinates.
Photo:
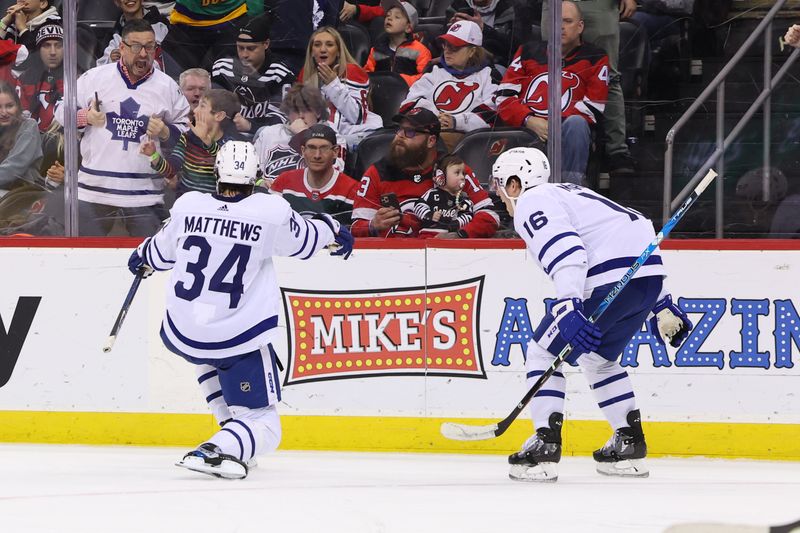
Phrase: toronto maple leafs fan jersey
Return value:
(222, 297)
(112, 171)
(581, 239)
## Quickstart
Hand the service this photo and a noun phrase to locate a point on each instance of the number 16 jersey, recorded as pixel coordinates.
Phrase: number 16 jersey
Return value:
(581, 239)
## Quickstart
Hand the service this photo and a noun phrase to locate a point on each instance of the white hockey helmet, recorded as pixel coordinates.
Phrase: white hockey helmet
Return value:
(237, 163)
(529, 165)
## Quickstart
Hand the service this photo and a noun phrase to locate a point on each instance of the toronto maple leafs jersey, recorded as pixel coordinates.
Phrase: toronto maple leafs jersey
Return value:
(222, 296)
(581, 239)
(112, 171)
(468, 98)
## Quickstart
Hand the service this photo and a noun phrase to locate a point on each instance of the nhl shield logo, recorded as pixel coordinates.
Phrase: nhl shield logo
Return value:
(244, 79)
(244, 386)
(315, 195)
(417, 178)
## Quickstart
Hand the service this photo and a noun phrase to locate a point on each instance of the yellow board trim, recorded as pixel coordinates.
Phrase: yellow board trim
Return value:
(398, 434)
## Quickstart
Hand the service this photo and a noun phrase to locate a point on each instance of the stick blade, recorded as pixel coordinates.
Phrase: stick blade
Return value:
(465, 432)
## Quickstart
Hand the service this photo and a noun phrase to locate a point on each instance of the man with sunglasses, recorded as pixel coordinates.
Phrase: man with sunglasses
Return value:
(389, 188)
(122, 105)
(319, 187)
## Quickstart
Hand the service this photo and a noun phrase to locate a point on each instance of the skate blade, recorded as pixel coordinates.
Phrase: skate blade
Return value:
(226, 470)
(627, 468)
(541, 473)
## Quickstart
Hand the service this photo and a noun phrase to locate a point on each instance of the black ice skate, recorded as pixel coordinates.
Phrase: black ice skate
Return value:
(209, 459)
(624, 453)
(539, 455)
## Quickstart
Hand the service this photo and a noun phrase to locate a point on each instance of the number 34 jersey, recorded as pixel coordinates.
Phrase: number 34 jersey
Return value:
(222, 296)
(581, 239)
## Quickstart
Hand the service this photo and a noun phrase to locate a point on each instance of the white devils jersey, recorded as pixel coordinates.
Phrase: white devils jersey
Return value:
(222, 296)
(468, 99)
(581, 239)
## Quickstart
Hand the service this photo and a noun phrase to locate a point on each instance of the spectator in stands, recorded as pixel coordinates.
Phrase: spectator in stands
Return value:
(23, 19)
(190, 165)
(41, 85)
(278, 146)
(460, 86)
(12, 58)
(20, 143)
(505, 24)
(293, 23)
(345, 85)
(121, 103)
(363, 12)
(602, 30)
(133, 9)
(254, 77)
(194, 84)
(397, 49)
(391, 187)
(201, 31)
(445, 208)
(792, 36)
(319, 187)
(522, 96)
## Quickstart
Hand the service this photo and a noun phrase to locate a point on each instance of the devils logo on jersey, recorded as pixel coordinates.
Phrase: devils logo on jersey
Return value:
(454, 96)
(536, 95)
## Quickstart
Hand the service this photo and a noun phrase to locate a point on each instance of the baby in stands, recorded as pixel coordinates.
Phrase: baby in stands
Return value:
(444, 210)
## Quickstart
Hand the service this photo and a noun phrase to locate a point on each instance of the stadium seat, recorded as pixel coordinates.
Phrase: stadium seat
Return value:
(98, 11)
(634, 57)
(387, 90)
(480, 148)
(357, 40)
(428, 33)
(371, 149)
(438, 8)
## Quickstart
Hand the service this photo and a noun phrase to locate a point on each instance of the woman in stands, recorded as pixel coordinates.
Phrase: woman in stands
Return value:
(20, 144)
(278, 146)
(459, 86)
(330, 67)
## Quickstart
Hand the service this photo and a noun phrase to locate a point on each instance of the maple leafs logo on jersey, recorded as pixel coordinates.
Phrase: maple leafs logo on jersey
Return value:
(455, 96)
(128, 125)
(536, 95)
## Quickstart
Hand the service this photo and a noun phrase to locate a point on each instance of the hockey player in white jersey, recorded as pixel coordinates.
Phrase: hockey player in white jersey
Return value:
(585, 243)
(223, 301)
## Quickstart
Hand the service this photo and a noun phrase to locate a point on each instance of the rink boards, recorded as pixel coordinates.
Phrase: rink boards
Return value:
(381, 349)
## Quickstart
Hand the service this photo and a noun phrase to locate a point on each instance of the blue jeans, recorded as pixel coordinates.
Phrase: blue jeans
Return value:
(575, 141)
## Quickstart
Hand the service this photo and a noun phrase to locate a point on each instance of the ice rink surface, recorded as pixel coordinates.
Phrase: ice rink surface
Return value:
(65, 489)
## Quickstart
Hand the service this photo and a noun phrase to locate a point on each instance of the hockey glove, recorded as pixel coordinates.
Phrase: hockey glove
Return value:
(669, 322)
(344, 239)
(574, 327)
(136, 264)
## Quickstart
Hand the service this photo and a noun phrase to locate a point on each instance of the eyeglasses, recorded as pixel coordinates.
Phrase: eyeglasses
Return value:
(322, 150)
(136, 48)
(410, 133)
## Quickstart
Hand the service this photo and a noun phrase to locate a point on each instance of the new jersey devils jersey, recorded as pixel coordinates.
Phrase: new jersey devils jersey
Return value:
(584, 84)
(469, 99)
(409, 187)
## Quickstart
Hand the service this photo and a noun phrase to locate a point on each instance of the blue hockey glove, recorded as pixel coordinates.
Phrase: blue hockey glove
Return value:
(136, 263)
(574, 327)
(344, 240)
(669, 322)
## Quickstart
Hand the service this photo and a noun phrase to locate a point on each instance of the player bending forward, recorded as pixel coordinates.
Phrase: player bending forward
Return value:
(223, 303)
(585, 243)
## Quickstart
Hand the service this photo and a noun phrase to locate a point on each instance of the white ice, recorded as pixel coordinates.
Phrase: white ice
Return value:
(83, 489)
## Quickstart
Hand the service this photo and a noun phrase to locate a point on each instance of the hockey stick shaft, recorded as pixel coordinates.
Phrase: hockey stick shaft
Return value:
(137, 279)
(504, 424)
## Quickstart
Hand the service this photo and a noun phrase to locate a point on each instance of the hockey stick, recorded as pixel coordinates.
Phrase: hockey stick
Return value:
(454, 431)
(731, 528)
(137, 279)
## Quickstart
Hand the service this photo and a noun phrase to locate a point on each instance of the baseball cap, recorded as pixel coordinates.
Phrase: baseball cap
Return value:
(256, 30)
(421, 118)
(49, 31)
(408, 9)
(320, 131)
(462, 33)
